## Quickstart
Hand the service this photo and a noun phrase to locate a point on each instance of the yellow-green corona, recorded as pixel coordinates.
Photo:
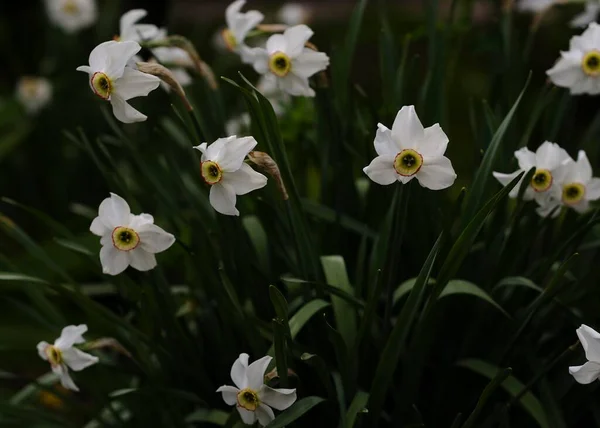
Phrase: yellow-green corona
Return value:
(125, 239)
(541, 180)
(591, 63)
(573, 193)
(280, 64)
(101, 85)
(70, 7)
(408, 162)
(211, 172)
(229, 38)
(54, 355)
(248, 399)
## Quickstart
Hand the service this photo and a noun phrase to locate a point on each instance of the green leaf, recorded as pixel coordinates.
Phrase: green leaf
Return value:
(259, 240)
(279, 337)
(298, 409)
(281, 307)
(459, 286)
(10, 276)
(330, 289)
(345, 316)
(495, 383)
(73, 246)
(518, 281)
(211, 416)
(358, 405)
(511, 385)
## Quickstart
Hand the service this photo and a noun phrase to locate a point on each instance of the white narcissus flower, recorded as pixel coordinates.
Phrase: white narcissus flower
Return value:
(288, 60)
(279, 99)
(63, 356)
(112, 81)
(224, 170)
(590, 371)
(72, 15)
(579, 68)
(239, 24)
(127, 239)
(130, 30)
(408, 151)
(34, 93)
(589, 14)
(293, 14)
(534, 5)
(238, 124)
(548, 161)
(254, 400)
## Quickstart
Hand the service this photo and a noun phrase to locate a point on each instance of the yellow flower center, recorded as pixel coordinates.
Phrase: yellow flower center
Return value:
(280, 64)
(70, 7)
(248, 399)
(54, 355)
(125, 239)
(408, 162)
(211, 172)
(229, 38)
(573, 193)
(101, 85)
(541, 180)
(591, 63)
(30, 86)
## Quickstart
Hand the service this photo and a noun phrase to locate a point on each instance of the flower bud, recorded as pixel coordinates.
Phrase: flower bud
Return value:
(164, 74)
(266, 163)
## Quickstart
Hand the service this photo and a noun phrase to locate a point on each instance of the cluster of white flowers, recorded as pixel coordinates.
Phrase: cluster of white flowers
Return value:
(558, 180)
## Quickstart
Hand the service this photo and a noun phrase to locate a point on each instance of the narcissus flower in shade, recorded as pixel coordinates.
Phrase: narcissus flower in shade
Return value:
(130, 30)
(579, 68)
(293, 14)
(127, 239)
(111, 80)
(255, 400)
(224, 170)
(72, 15)
(239, 24)
(589, 14)
(548, 161)
(34, 93)
(289, 62)
(63, 355)
(410, 151)
(590, 371)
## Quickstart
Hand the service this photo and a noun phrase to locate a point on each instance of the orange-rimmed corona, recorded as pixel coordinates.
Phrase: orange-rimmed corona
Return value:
(408, 162)
(101, 85)
(125, 238)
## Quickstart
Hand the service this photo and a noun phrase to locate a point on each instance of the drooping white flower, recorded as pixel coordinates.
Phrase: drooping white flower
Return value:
(579, 68)
(72, 15)
(63, 356)
(127, 239)
(112, 81)
(239, 24)
(548, 161)
(589, 14)
(534, 5)
(175, 58)
(279, 99)
(254, 400)
(130, 30)
(590, 371)
(34, 93)
(293, 14)
(288, 60)
(224, 170)
(408, 151)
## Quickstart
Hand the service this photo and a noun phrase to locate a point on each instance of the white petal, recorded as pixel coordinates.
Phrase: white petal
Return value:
(229, 394)
(296, 85)
(98, 228)
(590, 340)
(213, 152)
(248, 417)
(65, 379)
(238, 371)
(137, 222)
(85, 68)
(381, 170)
(243, 23)
(78, 360)
(586, 373)
(276, 43)
(504, 179)
(534, 5)
(256, 372)
(309, 62)
(592, 190)
(436, 173)
(154, 239)
(279, 399)
(113, 261)
(567, 70)
(584, 168)
(590, 14)
(134, 83)
(141, 32)
(525, 158)
(264, 414)
(259, 58)
(434, 142)
(124, 112)
(548, 206)
(245, 180)
(70, 335)
(142, 260)
(384, 143)
(234, 152)
(232, 10)
(128, 19)
(407, 129)
(114, 211)
(296, 37)
(112, 57)
(582, 206)
(40, 348)
(550, 155)
(201, 147)
(222, 198)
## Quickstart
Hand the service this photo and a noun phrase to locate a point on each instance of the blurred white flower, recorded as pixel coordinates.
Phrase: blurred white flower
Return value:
(534, 5)
(239, 24)
(409, 151)
(289, 62)
(548, 161)
(176, 59)
(589, 14)
(252, 398)
(293, 14)
(130, 30)
(72, 15)
(112, 81)
(224, 170)
(63, 356)
(280, 100)
(238, 124)
(34, 93)
(590, 371)
(127, 239)
(579, 68)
